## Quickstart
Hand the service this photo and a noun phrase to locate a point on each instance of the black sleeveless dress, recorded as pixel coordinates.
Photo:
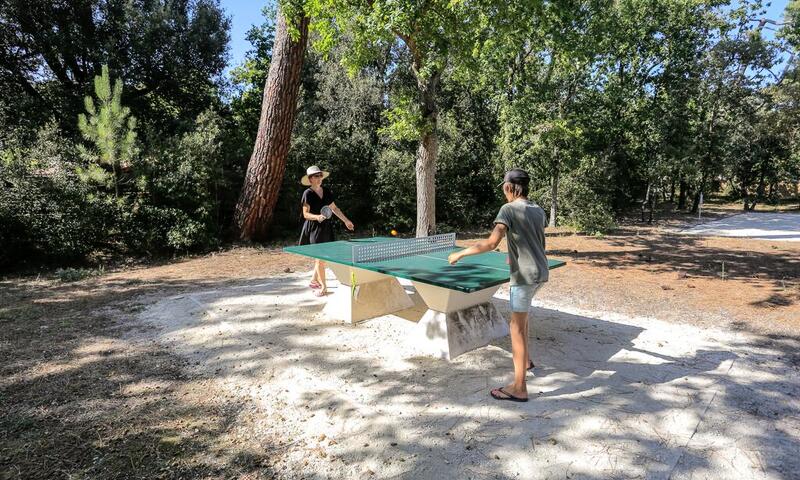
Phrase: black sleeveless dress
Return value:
(314, 231)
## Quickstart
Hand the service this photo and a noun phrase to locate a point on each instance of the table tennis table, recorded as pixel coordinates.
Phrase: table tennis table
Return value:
(460, 315)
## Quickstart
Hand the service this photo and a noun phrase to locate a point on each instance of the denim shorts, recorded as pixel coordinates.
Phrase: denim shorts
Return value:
(521, 296)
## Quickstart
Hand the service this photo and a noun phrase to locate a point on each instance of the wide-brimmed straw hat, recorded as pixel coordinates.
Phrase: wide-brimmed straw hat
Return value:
(313, 169)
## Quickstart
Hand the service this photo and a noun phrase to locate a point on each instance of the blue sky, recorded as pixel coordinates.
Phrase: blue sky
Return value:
(245, 13)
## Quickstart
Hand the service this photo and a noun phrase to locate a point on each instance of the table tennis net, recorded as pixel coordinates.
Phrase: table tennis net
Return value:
(392, 249)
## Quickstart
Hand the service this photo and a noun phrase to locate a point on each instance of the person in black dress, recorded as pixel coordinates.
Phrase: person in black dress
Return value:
(317, 228)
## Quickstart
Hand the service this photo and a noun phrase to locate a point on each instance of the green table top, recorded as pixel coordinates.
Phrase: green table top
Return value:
(470, 274)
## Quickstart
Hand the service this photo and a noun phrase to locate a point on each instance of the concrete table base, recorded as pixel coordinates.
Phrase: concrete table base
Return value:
(374, 295)
(455, 323)
(447, 335)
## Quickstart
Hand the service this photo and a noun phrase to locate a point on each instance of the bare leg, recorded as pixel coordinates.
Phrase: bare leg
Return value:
(320, 273)
(529, 360)
(315, 274)
(519, 351)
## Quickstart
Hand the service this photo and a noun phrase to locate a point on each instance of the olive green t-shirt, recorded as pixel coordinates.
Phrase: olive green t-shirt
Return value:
(525, 236)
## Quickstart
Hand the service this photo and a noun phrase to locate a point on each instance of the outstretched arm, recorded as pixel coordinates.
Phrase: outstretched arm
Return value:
(342, 216)
(483, 246)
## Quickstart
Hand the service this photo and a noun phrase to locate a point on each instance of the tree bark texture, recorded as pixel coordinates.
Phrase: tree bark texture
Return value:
(682, 195)
(554, 199)
(267, 165)
(427, 154)
(426, 184)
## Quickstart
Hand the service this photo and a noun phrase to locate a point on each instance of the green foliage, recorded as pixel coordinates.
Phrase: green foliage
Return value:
(111, 131)
(404, 121)
(394, 186)
(467, 196)
(179, 186)
(791, 30)
(68, 275)
(583, 207)
(171, 53)
(44, 210)
(603, 100)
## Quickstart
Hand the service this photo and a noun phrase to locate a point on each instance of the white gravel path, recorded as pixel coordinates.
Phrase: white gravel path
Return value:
(781, 227)
(612, 397)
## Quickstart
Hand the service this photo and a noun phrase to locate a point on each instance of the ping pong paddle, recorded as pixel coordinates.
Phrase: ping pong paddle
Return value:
(326, 212)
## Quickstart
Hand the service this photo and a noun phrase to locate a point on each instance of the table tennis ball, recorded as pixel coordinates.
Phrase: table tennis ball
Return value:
(394, 233)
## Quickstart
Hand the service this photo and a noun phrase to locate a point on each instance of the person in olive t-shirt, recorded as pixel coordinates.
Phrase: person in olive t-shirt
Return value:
(522, 222)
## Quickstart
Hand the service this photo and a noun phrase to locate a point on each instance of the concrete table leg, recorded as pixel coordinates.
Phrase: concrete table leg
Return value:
(448, 335)
(374, 295)
(458, 322)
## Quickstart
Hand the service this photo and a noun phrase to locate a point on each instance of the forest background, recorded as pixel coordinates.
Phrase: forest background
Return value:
(125, 129)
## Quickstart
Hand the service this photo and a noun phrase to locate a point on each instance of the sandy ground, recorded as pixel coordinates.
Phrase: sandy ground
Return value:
(660, 355)
(613, 396)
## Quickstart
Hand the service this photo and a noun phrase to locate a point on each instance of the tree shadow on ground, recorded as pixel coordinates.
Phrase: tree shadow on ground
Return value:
(608, 399)
(671, 253)
(82, 399)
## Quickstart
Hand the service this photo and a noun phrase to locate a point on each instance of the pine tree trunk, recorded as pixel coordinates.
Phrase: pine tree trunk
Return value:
(268, 162)
(427, 154)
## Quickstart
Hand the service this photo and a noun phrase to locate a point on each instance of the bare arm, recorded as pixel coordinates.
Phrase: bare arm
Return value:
(310, 216)
(483, 246)
(341, 216)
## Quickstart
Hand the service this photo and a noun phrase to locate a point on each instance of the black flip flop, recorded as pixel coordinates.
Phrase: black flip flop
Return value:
(507, 397)
(530, 369)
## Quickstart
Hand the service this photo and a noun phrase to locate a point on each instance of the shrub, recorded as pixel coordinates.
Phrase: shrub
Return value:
(395, 186)
(45, 211)
(586, 196)
(179, 181)
(67, 275)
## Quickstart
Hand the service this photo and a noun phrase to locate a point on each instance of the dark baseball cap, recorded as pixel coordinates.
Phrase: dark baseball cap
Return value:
(516, 175)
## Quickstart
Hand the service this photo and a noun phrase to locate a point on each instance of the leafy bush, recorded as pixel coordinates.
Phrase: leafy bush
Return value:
(586, 197)
(467, 196)
(395, 188)
(179, 182)
(45, 210)
(67, 275)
